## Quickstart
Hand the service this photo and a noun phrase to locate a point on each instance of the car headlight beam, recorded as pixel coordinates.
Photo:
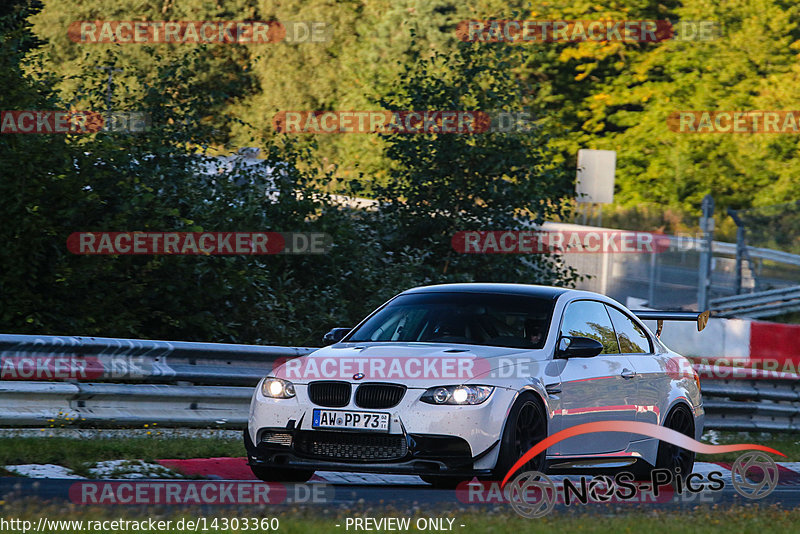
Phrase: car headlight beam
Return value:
(460, 395)
(277, 388)
(457, 395)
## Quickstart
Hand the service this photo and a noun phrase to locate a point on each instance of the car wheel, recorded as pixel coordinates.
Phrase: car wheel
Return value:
(443, 482)
(671, 456)
(280, 474)
(525, 427)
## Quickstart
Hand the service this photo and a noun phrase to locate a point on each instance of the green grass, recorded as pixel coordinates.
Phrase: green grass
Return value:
(80, 454)
(788, 444)
(499, 520)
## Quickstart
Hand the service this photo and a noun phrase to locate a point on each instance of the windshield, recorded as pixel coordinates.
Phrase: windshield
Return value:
(465, 318)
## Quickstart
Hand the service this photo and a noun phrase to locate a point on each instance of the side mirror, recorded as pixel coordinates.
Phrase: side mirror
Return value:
(577, 347)
(335, 335)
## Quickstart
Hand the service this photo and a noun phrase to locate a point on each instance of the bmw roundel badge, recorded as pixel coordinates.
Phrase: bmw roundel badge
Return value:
(358, 376)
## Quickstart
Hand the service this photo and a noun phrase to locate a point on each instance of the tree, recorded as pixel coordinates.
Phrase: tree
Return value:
(370, 43)
(441, 184)
(33, 186)
(221, 68)
(158, 180)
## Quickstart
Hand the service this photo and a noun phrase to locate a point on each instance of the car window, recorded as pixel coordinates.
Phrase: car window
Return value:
(470, 318)
(632, 338)
(588, 318)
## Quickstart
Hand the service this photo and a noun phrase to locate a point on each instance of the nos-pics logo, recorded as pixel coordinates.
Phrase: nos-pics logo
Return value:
(532, 494)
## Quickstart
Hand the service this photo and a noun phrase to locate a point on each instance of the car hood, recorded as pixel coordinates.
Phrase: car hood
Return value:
(413, 364)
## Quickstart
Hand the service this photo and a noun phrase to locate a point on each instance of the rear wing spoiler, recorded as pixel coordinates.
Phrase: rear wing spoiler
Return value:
(647, 315)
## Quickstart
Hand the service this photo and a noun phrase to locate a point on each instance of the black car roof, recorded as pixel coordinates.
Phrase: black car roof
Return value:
(503, 289)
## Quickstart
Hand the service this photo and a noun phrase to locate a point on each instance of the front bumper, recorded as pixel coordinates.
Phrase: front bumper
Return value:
(699, 421)
(416, 454)
(428, 438)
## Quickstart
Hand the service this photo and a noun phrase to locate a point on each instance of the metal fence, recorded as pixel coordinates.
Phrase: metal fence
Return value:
(123, 383)
(669, 279)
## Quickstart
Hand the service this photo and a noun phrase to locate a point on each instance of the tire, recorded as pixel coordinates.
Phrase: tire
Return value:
(525, 427)
(443, 482)
(679, 461)
(280, 474)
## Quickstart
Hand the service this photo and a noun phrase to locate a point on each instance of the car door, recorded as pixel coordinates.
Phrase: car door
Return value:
(594, 389)
(652, 380)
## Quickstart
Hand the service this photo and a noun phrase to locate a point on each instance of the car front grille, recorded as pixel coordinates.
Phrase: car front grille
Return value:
(379, 395)
(329, 393)
(351, 446)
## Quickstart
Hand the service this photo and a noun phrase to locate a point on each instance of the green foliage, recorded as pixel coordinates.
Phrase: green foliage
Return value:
(728, 73)
(33, 185)
(370, 46)
(444, 183)
(160, 180)
(776, 226)
(627, 90)
(223, 69)
(396, 55)
(606, 95)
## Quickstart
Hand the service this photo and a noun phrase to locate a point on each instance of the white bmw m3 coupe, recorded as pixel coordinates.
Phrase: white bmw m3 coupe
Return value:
(456, 381)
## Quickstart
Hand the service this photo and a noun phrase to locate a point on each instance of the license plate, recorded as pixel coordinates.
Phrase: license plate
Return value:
(351, 420)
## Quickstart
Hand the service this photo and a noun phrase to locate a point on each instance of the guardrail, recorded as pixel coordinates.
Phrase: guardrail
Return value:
(137, 361)
(107, 382)
(735, 398)
(757, 305)
(121, 383)
(57, 404)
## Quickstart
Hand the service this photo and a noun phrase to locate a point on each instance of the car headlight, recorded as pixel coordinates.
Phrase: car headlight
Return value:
(277, 388)
(457, 394)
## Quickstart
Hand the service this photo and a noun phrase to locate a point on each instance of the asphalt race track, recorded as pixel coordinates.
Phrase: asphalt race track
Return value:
(400, 491)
